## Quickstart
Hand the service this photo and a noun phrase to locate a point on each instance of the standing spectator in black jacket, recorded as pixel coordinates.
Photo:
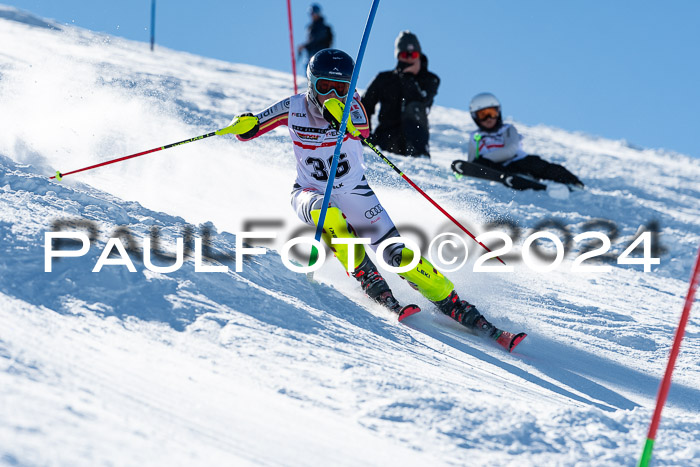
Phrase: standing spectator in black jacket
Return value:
(319, 35)
(405, 95)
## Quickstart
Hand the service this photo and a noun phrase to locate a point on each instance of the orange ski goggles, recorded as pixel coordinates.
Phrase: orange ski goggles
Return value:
(488, 112)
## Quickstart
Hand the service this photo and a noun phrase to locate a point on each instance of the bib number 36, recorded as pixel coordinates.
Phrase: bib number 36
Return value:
(321, 168)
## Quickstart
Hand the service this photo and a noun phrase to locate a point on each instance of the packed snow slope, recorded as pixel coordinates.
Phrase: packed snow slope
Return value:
(264, 367)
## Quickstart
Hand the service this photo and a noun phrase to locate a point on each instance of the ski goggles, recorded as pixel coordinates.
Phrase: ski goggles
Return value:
(324, 86)
(406, 55)
(489, 112)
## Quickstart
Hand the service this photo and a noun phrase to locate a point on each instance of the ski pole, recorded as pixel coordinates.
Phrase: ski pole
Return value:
(239, 126)
(334, 108)
(477, 141)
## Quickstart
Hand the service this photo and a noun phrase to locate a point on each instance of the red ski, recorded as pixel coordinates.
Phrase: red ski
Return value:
(407, 311)
(388, 300)
(508, 340)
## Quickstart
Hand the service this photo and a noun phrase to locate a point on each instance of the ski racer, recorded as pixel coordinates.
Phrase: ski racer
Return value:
(354, 209)
(497, 145)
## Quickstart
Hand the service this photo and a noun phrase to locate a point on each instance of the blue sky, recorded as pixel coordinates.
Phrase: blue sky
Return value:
(622, 70)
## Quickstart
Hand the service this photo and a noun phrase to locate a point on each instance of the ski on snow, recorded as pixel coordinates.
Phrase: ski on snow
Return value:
(505, 339)
(514, 181)
(508, 340)
(392, 304)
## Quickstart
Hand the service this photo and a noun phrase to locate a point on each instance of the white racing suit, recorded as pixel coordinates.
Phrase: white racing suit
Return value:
(354, 210)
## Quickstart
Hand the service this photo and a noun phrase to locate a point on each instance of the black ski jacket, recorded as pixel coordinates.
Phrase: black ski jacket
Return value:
(394, 89)
(319, 35)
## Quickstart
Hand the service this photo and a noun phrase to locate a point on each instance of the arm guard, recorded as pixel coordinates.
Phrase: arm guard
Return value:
(269, 119)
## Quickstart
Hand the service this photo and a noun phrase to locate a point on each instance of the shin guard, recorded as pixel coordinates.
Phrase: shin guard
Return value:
(425, 278)
(335, 226)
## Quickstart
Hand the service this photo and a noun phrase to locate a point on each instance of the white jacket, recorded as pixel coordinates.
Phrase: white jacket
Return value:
(501, 146)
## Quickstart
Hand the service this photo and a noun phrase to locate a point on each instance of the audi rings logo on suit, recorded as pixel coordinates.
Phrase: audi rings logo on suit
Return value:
(375, 211)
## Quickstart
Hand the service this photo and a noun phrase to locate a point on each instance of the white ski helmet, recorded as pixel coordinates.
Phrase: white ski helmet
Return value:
(485, 100)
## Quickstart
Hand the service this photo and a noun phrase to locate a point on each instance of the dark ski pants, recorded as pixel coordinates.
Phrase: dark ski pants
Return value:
(408, 139)
(535, 167)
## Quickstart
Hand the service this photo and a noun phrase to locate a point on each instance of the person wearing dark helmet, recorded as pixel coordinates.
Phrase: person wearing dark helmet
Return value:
(319, 35)
(497, 145)
(405, 95)
(329, 74)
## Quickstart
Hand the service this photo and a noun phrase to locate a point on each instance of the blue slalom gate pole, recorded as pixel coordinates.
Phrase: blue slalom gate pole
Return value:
(341, 131)
(153, 23)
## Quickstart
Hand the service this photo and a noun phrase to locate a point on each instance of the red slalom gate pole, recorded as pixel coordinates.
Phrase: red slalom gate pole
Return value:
(666, 382)
(291, 45)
